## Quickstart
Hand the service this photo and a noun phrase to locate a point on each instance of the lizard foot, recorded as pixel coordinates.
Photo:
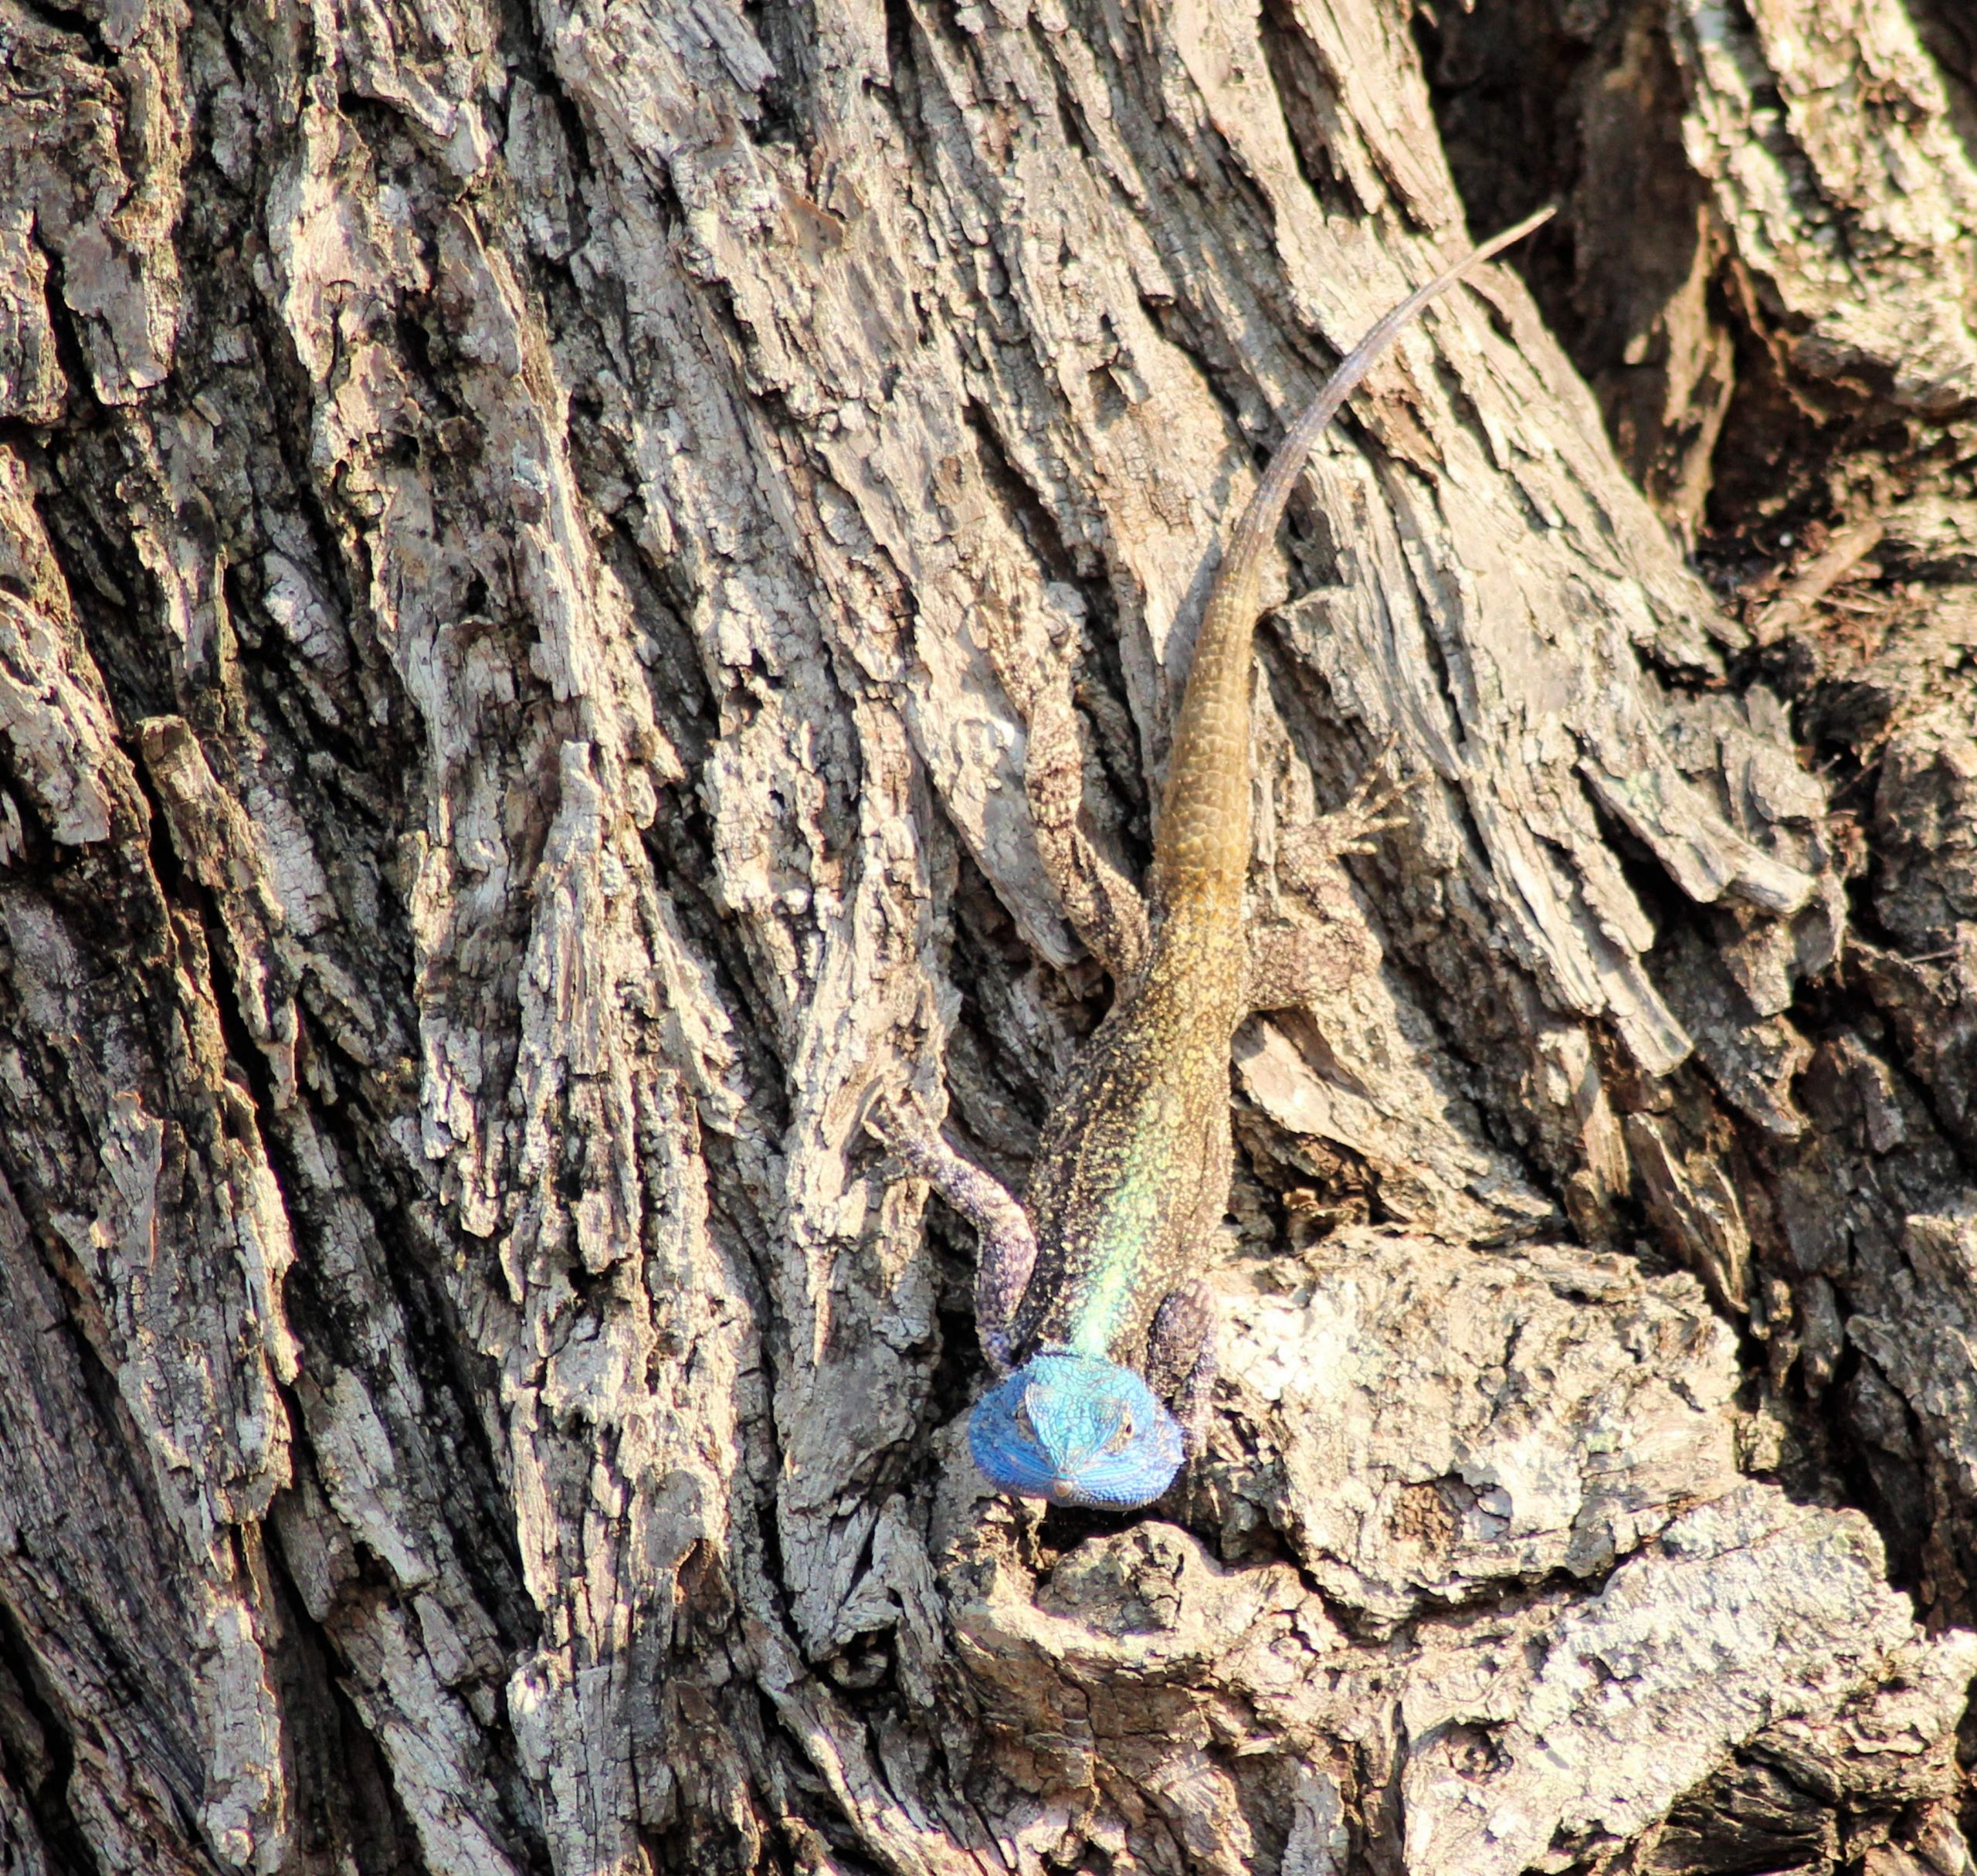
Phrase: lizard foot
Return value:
(1350, 829)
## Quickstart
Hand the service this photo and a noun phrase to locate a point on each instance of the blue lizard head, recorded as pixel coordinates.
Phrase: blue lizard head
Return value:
(1076, 1431)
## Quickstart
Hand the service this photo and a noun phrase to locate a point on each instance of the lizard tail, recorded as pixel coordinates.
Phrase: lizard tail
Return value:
(1201, 850)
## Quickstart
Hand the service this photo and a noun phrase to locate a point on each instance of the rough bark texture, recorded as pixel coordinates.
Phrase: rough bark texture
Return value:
(564, 568)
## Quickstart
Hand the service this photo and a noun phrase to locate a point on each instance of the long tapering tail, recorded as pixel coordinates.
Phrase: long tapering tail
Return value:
(1202, 849)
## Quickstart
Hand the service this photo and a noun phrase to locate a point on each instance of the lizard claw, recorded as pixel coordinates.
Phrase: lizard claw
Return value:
(874, 1115)
(874, 1118)
(890, 1115)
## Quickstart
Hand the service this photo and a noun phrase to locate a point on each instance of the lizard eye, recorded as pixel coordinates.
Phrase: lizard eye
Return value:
(1122, 1435)
(1025, 1425)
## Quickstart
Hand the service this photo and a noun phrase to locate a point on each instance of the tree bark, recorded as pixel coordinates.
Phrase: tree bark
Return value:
(562, 569)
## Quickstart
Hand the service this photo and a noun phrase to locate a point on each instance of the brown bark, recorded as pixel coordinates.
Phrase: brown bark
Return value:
(554, 562)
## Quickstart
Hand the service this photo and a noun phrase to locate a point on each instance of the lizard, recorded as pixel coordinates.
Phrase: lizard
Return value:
(1100, 1334)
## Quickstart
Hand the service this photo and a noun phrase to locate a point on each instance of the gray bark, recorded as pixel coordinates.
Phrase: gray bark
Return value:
(562, 571)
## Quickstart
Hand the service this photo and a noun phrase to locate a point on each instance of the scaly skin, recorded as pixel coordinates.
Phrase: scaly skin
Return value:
(1095, 1302)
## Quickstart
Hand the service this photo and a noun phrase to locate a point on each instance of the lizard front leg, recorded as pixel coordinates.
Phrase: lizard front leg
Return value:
(1181, 1358)
(1006, 1256)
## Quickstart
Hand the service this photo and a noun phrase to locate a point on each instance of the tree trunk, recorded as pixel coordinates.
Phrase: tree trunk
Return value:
(557, 563)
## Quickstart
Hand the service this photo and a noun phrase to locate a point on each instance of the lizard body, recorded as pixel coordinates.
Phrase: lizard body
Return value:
(1089, 1302)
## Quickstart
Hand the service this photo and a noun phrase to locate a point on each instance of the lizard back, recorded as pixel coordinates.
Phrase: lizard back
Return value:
(1131, 1173)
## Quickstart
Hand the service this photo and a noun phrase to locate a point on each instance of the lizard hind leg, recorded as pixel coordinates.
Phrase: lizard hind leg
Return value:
(1181, 1358)
(1303, 963)
(1304, 966)
(1305, 852)
(1103, 907)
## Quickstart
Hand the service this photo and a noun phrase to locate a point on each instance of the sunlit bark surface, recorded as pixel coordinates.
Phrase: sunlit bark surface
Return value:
(564, 568)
